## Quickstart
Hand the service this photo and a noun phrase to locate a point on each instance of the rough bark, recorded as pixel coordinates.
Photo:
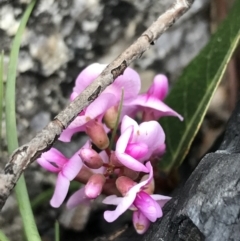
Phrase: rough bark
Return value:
(207, 207)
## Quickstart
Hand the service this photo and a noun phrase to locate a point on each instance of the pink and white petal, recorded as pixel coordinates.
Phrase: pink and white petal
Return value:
(125, 203)
(52, 160)
(160, 108)
(77, 198)
(131, 162)
(61, 190)
(137, 150)
(128, 121)
(50, 166)
(100, 105)
(67, 134)
(104, 156)
(148, 206)
(140, 222)
(55, 155)
(161, 200)
(152, 134)
(159, 87)
(73, 95)
(129, 81)
(72, 167)
(87, 76)
(79, 121)
(112, 200)
(123, 140)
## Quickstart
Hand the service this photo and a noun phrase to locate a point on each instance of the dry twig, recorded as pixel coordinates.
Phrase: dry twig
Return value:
(43, 141)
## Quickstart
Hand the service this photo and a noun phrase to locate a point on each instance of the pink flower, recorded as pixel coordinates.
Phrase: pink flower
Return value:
(151, 103)
(138, 143)
(149, 205)
(129, 81)
(67, 169)
(81, 196)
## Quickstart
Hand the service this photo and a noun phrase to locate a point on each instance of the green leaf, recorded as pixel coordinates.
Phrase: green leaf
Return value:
(21, 189)
(194, 90)
(3, 237)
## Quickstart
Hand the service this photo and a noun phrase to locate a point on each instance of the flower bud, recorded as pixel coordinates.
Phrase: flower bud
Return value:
(130, 173)
(110, 117)
(96, 132)
(123, 184)
(91, 158)
(94, 186)
(140, 222)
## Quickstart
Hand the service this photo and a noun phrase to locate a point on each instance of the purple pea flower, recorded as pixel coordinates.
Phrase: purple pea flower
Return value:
(129, 81)
(80, 197)
(148, 206)
(138, 143)
(151, 103)
(67, 169)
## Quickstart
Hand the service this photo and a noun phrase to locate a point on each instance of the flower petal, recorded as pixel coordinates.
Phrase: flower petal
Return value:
(123, 140)
(140, 222)
(125, 203)
(112, 200)
(100, 105)
(61, 190)
(152, 134)
(137, 150)
(131, 162)
(159, 87)
(67, 134)
(128, 121)
(157, 106)
(129, 81)
(72, 167)
(52, 160)
(148, 206)
(77, 198)
(161, 200)
(87, 76)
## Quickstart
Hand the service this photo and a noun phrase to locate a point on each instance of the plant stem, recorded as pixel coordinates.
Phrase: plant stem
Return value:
(29, 224)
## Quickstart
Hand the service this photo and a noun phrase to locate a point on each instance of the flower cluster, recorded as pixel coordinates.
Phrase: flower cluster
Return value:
(120, 168)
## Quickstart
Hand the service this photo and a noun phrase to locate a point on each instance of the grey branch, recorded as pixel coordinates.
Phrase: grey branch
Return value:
(26, 154)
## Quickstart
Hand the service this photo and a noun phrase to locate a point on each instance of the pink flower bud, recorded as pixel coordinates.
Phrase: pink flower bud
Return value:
(140, 222)
(94, 186)
(130, 173)
(91, 158)
(110, 117)
(96, 132)
(123, 184)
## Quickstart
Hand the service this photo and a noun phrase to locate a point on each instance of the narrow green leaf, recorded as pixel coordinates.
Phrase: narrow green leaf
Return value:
(1, 93)
(117, 121)
(21, 189)
(3, 237)
(193, 91)
(57, 231)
